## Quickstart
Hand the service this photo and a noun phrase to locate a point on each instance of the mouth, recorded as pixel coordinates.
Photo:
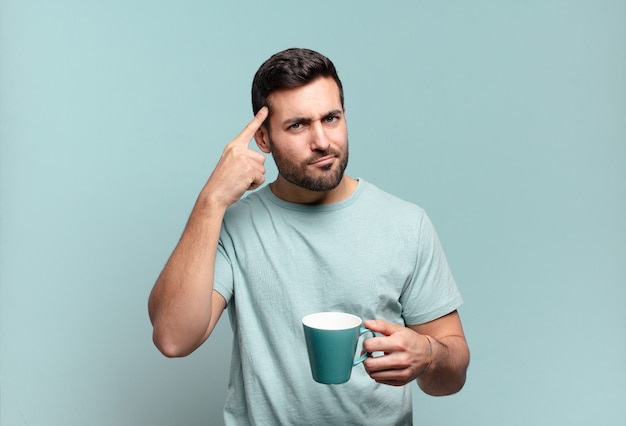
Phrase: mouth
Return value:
(323, 161)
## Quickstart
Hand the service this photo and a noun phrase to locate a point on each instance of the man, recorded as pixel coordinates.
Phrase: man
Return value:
(313, 240)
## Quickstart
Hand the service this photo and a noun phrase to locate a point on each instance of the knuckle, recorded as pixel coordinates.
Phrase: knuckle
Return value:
(404, 360)
(402, 345)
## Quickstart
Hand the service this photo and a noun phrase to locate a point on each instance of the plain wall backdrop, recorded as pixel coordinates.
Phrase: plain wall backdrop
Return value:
(505, 120)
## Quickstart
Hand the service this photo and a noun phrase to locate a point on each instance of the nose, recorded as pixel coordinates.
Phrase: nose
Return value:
(319, 138)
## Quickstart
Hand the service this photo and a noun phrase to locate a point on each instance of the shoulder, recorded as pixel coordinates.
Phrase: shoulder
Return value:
(249, 202)
(377, 197)
(252, 208)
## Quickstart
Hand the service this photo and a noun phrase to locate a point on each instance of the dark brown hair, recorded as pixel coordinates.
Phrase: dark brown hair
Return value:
(289, 69)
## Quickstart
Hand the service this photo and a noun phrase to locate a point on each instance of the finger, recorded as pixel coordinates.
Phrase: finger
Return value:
(388, 362)
(258, 174)
(391, 380)
(258, 181)
(393, 377)
(378, 344)
(383, 327)
(251, 128)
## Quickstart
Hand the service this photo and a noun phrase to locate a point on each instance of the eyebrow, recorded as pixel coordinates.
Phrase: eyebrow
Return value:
(307, 120)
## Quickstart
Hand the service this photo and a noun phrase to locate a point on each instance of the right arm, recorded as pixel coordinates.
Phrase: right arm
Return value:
(183, 306)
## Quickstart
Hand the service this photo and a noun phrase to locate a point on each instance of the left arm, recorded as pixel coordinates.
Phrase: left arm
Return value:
(408, 357)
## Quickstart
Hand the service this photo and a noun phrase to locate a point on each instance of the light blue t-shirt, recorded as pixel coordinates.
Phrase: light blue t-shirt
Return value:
(372, 255)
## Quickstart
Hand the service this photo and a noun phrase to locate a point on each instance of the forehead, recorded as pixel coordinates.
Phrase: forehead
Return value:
(313, 99)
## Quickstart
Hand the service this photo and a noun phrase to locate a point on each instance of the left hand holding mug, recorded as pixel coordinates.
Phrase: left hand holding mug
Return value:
(406, 353)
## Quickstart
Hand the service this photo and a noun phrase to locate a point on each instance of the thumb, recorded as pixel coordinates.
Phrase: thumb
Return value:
(383, 327)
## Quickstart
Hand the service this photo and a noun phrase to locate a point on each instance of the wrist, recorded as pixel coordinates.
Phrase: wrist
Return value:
(210, 201)
(429, 350)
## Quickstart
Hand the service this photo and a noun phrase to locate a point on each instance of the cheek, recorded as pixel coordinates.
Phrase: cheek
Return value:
(341, 131)
(284, 153)
(340, 136)
(290, 147)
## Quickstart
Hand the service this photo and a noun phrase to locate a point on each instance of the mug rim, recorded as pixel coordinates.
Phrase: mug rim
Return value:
(328, 320)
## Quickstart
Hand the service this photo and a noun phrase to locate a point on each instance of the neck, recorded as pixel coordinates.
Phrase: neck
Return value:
(295, 194)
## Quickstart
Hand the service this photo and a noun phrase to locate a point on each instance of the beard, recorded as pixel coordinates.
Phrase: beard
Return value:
(297, 174)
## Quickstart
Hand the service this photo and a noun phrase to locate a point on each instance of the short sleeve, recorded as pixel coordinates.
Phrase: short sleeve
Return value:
(432, 292)
(223, 277)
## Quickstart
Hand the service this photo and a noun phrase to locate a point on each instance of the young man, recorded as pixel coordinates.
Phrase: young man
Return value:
(313, 240)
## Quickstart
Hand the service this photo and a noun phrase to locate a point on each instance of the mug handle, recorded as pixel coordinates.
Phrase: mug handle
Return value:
(363, 357)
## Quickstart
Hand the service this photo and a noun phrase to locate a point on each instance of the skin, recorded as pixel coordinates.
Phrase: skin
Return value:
(309, 143)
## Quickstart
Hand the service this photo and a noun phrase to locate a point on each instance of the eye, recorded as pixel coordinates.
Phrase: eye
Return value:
(295, 126)
(332, 118)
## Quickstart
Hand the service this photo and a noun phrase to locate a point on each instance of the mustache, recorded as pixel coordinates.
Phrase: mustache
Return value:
(323, 154)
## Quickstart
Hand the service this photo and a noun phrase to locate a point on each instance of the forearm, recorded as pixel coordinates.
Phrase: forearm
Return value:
(180, 305)
(447, 370)
(183, 307)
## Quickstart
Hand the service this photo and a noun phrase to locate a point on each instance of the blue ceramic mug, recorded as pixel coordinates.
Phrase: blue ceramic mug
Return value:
(331, 340)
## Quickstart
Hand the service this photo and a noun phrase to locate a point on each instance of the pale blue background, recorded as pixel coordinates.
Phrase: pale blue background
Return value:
(505, 120)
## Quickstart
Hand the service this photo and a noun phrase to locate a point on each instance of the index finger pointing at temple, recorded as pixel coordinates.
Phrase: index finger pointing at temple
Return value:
(251, 128)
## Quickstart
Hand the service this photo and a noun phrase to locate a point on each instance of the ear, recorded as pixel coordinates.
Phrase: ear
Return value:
(262, 140)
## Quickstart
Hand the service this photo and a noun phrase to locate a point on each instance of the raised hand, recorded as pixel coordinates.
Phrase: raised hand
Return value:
(240, 168)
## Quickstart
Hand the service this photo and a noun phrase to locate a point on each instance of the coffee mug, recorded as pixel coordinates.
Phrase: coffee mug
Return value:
(331, 340)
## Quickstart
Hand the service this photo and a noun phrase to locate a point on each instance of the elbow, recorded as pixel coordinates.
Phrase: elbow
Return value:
(453, 388)
(448, 381)
(169, 342)
(171, 346)
(171, 351)
(175, 337)
(443, 388)
(457, 377)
